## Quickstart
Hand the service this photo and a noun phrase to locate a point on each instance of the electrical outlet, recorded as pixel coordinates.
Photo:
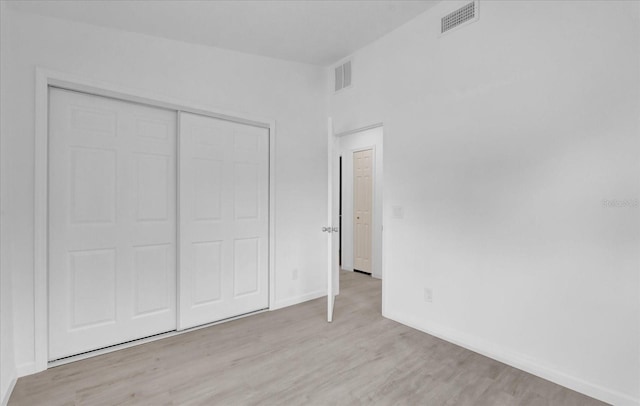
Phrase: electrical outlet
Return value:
(428, 295)
(294, 274)
(397, 212)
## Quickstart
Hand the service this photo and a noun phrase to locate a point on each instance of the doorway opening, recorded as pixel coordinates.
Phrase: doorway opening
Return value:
(341, 211)
(360, 201)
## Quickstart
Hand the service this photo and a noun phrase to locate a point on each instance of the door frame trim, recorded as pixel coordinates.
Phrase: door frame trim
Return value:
(45, 78)
(359, 130)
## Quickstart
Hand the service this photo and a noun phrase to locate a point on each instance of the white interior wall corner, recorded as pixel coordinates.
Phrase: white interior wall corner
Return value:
(501, 148)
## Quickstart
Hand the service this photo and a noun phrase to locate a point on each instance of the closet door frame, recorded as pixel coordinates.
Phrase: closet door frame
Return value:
(44, 79)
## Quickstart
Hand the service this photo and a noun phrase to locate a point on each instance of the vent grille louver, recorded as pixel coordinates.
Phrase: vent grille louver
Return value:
(339, 82)
(343, 76)
(346, 69)
(458, 17)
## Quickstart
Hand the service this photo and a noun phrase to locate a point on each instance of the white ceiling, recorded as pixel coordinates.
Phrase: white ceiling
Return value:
(315, 32)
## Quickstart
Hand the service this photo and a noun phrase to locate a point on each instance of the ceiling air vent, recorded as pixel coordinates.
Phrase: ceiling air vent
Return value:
(343, 76)
(465, 14)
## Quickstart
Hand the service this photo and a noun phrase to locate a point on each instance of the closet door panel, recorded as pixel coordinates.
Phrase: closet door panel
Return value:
(223, 219)
(112, 222)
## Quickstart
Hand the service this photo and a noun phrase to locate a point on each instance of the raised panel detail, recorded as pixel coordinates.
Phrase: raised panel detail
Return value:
(209, 135)
(246, 141)
(94, 120)
(207, 184)
(152, 129)
(207, 275)
(152, 271)
(153, 180)
(93, 186)
(245, 266)
(362, 199)
(92, 277)
(246, 190)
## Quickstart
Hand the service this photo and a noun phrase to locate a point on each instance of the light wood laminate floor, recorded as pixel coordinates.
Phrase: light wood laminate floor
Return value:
(293, 356)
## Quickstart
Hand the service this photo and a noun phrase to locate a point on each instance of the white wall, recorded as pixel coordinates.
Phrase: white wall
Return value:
(292, 94)
(348, 144)
(8, 371)
(501, 141)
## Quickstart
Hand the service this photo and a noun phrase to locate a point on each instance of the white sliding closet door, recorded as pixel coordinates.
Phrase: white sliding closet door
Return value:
(112, 222)
(224, 184)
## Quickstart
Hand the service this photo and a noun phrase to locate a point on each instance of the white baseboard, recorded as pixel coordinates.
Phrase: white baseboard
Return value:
(28, 368)
(298, 299)
(519, 361)
(6, 396)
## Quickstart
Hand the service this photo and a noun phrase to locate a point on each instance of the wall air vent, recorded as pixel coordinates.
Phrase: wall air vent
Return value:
(343, 76)
(465, 14)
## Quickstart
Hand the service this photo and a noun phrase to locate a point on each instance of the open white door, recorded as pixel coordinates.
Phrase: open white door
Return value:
(333, 181)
